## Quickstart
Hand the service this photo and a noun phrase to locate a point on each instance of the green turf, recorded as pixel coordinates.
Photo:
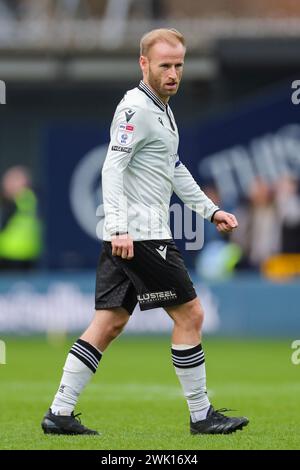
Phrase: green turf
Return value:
(135, 400)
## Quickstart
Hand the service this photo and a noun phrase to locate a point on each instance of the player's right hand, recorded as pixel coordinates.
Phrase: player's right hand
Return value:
(122, 245)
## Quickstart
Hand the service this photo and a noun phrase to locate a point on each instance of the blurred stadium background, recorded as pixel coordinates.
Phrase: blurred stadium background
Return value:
(66, 65)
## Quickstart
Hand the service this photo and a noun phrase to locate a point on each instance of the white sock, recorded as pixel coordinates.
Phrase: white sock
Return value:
(81, 363)
(189, 366)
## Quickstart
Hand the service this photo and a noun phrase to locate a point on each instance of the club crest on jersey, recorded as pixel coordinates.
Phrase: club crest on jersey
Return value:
(125, 133)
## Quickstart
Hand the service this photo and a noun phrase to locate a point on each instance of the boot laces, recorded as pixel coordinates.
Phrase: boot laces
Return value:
(76, 417)
(220, 412)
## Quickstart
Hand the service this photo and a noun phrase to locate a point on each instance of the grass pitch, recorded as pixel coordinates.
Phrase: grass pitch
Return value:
(135, 400)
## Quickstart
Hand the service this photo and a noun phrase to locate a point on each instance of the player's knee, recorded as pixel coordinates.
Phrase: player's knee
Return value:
(116, 328)
(197, 317)
(194, 317)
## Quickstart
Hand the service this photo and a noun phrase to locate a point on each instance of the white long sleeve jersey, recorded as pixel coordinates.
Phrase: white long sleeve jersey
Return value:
(142, 169)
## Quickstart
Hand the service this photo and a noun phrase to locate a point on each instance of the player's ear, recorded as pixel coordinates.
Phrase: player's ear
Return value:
(144, 63)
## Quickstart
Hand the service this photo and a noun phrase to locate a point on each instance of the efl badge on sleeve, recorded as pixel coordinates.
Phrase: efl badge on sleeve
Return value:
(125, 133)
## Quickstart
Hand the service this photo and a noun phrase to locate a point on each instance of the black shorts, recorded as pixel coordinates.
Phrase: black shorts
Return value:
(155, 277)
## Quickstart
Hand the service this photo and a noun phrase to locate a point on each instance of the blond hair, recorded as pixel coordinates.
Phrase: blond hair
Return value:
(171, 36)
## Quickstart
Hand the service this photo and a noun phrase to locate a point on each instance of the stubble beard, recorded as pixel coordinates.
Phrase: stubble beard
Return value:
(155, 85)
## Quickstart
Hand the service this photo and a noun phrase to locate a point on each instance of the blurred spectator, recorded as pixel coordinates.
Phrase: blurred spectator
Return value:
(259, 231)
(269, 223)
(288, 203)
(20, 228)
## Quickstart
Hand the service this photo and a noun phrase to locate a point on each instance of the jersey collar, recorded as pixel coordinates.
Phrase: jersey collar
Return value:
(156, 100)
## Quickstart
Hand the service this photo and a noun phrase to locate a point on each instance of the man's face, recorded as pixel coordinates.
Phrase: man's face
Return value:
(163, 68)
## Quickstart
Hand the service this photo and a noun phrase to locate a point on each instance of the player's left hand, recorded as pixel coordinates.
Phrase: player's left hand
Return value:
(225, 222)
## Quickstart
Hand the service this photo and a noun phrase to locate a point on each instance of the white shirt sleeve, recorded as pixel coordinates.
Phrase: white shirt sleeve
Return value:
(128, 135)
(190, 192)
